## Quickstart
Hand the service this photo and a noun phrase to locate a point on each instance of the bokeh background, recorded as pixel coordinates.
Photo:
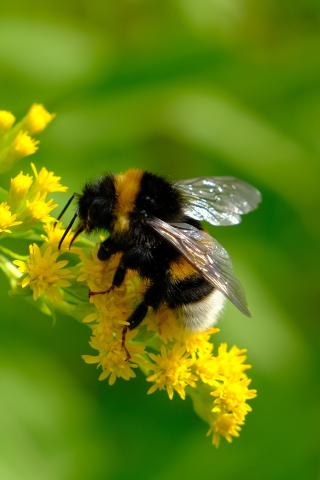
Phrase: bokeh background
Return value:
(183, 88)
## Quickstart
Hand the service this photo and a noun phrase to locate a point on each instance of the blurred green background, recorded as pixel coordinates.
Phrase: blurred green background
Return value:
(183, 88)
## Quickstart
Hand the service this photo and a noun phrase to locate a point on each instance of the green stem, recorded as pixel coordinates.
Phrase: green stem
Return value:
(10, 271)
(12, 254)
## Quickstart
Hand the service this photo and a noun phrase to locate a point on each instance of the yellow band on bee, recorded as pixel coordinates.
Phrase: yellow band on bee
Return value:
(127, 186)
(181, 269)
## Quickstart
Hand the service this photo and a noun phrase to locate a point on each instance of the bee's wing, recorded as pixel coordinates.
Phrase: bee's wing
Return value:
(218, 200)
(206, 255)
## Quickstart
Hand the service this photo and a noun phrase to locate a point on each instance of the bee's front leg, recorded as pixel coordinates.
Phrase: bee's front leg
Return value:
(118, 277)
(106, 250)
(152, 298)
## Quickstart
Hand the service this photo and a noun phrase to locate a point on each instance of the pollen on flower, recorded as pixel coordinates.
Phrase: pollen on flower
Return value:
(7, 119)
(46, 182)
(171, 371)
(7, 219)
(44, 274)
(37, 118)
(25, 145)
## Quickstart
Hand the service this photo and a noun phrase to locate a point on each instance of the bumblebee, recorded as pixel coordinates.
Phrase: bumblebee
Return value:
(155, 224)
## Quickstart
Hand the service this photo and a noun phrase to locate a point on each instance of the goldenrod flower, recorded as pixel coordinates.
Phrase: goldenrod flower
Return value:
(20, 184)
(6, 120)
(231, 363)
(115, 361)
(39, 209)
(18, 141)
(172, 371)
(230, 394)
(46, 182)
(19, 188)
(24, 145)
(230, 408)
(53, 234)
(225, 425)
(37, 118)
(7, 219)
(206, 367)
(44, 274)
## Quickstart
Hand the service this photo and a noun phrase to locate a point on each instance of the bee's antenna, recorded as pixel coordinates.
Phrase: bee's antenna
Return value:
(76, 234)
(67, 229)
(64, 209)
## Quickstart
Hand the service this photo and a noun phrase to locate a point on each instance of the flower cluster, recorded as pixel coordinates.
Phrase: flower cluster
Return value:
(16, 139)
(26, 203)
(172, 359)
(26, 211)
(43, 273)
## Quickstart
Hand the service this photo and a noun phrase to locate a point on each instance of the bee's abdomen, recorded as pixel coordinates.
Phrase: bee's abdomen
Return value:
(201, 315)
(188, 290)
(196, 301)
(181, 269)
(185, 284)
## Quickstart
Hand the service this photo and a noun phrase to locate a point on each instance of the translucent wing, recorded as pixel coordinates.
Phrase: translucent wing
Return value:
(218, 200)
(206, 255)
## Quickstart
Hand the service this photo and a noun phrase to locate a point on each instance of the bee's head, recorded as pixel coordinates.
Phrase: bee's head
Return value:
(96, 204)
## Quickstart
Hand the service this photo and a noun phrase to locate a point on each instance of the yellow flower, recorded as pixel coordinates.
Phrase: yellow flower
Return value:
(230, 409)
(39, 209)
(6, 120)
(44, 274)
(206, 367)
(54, 234)
(37, 118)
(24, 145)
(46, 182)
(172, 371)
(7, 219)
(20, 184)
(227, 426)
(231, 391)
(231, 363)
(112, 356)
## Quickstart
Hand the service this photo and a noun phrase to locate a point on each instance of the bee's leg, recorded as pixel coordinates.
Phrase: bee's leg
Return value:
(137, 315)
(152, 298)
(120, 273)
(106, 250)
(101, 292)
(123, 342)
